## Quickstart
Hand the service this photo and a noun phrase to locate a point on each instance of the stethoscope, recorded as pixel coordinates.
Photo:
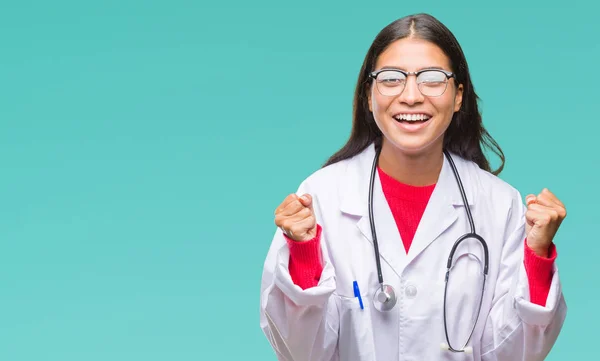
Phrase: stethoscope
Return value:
(385, 296)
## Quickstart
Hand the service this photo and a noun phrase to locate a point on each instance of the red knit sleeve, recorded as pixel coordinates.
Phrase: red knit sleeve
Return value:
(305, 264)
(539, 273)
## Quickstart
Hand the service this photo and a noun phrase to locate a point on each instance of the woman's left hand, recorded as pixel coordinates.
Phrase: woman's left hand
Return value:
(544, 215)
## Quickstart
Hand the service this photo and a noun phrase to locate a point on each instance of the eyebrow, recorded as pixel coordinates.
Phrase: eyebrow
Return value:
(398, 68)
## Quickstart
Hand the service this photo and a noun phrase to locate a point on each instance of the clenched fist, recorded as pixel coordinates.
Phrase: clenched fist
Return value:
(544, 215)
(296, 217)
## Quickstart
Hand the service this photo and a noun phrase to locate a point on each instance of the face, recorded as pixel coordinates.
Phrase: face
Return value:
(395, 115)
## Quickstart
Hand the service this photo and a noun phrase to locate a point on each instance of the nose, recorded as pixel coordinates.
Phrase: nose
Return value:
(411, 93)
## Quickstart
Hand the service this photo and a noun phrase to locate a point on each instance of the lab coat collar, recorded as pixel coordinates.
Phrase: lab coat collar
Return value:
(440, 213)
(355, 194)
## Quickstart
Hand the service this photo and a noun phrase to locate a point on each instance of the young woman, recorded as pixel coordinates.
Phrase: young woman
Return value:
(405, 245)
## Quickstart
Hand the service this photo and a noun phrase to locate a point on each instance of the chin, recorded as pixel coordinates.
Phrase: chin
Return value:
(411, 145)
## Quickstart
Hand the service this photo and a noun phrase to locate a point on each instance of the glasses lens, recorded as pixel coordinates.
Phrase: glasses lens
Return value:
(432, 83)
(390, 82)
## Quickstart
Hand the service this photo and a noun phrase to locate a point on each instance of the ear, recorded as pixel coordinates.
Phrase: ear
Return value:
(458, 98)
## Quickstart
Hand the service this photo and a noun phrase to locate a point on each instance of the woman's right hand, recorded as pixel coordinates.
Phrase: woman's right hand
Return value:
(296, 217)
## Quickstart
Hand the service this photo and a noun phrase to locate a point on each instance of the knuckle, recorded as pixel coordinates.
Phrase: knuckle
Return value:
(547, 217)
(296, 203)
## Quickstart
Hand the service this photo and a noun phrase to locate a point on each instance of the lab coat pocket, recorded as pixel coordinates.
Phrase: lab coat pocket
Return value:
(356, 331)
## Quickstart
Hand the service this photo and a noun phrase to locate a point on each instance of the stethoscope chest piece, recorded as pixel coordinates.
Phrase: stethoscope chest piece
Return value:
(385, 298)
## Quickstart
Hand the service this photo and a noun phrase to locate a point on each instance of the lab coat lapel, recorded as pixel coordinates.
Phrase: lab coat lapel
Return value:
(355, 198)
(440, 212)
(390, 244)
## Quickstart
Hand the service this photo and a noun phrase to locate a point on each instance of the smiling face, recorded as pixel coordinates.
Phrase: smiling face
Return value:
(412, 122)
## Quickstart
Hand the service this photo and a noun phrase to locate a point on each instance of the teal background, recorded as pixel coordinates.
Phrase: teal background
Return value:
(144, 146)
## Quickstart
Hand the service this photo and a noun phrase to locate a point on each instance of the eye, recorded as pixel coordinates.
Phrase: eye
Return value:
(432, 76)
(432, 82)
(391, 78)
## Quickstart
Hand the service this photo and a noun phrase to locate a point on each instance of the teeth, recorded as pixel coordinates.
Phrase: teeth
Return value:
(411, 117)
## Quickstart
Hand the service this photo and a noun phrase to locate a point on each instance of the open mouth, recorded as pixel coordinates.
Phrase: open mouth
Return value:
(412, 118)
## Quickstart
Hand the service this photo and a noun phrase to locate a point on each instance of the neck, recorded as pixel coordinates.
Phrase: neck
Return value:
(420, 169)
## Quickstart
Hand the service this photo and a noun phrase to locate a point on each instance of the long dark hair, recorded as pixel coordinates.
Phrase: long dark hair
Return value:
(465, 135)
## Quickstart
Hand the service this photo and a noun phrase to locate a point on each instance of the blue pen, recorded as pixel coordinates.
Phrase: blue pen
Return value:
(357, 294)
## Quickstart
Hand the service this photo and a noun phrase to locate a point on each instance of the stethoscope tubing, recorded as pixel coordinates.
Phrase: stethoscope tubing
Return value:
(471, 234)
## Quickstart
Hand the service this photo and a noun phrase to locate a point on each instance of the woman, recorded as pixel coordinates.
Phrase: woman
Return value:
(411, 181)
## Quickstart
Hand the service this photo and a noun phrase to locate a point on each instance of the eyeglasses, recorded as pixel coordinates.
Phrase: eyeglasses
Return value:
(431, 82)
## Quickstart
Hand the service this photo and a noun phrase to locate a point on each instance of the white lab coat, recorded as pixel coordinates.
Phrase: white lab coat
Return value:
(326, 322)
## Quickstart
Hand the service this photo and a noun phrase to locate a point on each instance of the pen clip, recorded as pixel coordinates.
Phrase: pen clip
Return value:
(357, 294)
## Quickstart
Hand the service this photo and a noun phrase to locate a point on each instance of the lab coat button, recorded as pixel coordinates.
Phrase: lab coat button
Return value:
(410, 291)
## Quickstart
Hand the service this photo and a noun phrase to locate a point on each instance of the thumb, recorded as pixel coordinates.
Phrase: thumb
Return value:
(306, 200)
(529, 222)
(530, 199)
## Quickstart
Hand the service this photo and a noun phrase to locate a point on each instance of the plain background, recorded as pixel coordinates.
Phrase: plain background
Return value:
(144, 146)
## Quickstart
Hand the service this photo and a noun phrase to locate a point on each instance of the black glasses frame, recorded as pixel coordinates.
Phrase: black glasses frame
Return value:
(373, 75)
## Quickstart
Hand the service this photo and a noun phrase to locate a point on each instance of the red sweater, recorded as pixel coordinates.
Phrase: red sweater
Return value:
(407, 204)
